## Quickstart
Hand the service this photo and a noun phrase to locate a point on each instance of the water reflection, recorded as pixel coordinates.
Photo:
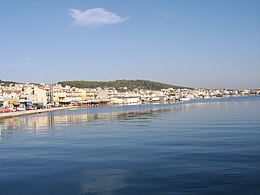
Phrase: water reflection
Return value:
(49, 123)
(103, 181)
(99, 152)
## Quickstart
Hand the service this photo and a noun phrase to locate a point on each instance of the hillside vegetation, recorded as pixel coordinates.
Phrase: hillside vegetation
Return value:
(6, 83)
(119, 84)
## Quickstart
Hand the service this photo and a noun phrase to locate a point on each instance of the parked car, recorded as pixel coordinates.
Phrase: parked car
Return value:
(12, 109)
(5, 110)
(29, 108)
(20, 108)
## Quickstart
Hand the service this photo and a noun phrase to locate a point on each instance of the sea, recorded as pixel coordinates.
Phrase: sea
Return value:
(198, 147)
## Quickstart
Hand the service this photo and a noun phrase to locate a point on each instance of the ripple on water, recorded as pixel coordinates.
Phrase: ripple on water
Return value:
(209, 147)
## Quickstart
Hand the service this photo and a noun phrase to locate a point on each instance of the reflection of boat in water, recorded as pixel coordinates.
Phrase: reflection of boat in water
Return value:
(73, 108)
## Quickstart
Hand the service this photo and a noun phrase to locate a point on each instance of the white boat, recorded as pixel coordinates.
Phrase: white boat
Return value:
(184, 99)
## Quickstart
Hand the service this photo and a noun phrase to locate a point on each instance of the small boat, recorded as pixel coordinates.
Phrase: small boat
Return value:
(206, 97)
(73, 108)
(184, 99)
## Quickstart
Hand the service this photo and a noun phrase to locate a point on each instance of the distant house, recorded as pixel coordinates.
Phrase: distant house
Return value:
(59, 98)
(36, 95)
(125, 100)
(102, 94)
(67, 98)
(11, 98)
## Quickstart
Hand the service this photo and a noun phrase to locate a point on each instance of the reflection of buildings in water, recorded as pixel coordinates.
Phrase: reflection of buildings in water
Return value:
(216, 104)
(49, 123)
(41, 124)
(50, 120)
(1, 127)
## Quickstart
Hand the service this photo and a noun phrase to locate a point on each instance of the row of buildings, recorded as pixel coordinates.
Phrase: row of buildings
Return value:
(44, 95)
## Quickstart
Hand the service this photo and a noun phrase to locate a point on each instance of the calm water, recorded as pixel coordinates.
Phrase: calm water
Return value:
(203, 147)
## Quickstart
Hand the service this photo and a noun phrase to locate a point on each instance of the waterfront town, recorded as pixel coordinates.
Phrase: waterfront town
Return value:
(20, 97)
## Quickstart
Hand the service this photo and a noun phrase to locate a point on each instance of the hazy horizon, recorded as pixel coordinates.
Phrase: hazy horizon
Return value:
(206, 44)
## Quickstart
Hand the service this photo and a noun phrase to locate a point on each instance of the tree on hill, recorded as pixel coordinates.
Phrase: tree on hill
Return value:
(6, 83)
(119, 84)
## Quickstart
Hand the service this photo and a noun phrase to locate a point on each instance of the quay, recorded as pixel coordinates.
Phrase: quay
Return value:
(29, 112)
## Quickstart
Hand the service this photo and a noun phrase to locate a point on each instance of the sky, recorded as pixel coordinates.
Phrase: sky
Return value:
(194, 43)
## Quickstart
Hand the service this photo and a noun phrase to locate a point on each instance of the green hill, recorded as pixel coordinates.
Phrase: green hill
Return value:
(6, 83)
(119, 84)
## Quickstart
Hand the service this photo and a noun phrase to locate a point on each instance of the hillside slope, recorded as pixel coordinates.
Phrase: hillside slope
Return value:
(118, 84)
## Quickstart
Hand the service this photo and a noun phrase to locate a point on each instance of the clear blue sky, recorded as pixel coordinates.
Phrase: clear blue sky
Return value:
(196, 43)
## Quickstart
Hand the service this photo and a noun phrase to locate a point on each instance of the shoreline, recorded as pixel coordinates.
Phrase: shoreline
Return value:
(31, 112)
(39, 111)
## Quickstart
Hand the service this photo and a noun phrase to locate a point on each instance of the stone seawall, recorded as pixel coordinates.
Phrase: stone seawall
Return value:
(29, 112)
